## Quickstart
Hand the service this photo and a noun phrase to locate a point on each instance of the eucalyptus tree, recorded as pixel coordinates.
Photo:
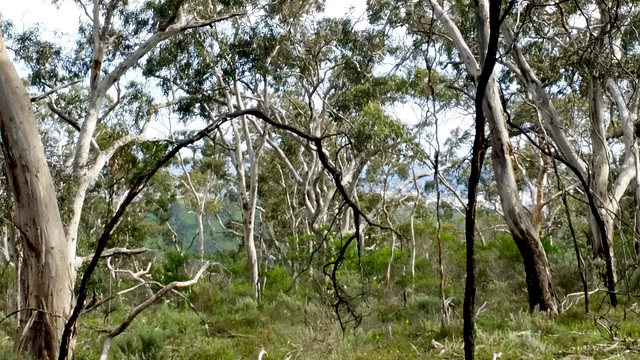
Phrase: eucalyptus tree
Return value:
(340, 96)
(202, 185)
(427, 20)
(223, 81)
(314, 75)
(118, 36)
(589, 55)
(553, 65)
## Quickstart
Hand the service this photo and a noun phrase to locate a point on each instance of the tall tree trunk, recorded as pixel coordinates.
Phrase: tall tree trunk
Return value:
(602, 244)
(387, 276)
(538, 194)
(536, 264)
(523, 232)
(199, 218)
(636, 236)
(602, 202)
(443, 301)
(5, 258)
(47, 276)
(248, 216)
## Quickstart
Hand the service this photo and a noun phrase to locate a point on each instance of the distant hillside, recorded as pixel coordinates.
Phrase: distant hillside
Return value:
(185, 225)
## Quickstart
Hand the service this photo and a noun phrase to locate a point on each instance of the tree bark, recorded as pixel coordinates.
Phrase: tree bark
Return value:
(601, 236)
(538, 194)
(247, 195)
(536, 264)
(5, 258)
(47, 276)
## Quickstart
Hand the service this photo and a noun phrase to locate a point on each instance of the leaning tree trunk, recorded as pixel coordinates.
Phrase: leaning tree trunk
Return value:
(47, 276)
(536, 265)
(539, 279)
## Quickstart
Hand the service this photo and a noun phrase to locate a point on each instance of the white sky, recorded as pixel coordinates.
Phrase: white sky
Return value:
(25, 13)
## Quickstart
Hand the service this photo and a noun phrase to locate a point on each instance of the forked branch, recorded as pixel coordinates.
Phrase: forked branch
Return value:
(138, 309)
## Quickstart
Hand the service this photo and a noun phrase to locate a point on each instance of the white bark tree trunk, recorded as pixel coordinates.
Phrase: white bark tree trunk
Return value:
(47, 276)
(247, 188)
(537, 268)
(5, 258)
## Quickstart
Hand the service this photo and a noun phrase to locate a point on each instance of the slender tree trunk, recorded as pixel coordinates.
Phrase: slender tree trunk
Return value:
(536, 264)
(248, 215)
(445, 309)
(637, 221)
(199, 217)
(247, 195)
(538, 200)
(47, 276)
(387, 277)
(436, 179)
(602, 244)
(581, 268)
(5, 258)
(412, 249)
(600, 163)
(470, 224)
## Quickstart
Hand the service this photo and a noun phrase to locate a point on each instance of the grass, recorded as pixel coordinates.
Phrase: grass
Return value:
(298, 328)
(401, 323)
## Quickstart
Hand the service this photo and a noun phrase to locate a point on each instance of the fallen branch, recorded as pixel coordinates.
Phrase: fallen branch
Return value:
(122, 292)
(138, 309)
(116, 251)
(573, 298)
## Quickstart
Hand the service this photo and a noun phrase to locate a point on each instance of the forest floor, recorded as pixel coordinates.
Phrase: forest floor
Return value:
(290, 327)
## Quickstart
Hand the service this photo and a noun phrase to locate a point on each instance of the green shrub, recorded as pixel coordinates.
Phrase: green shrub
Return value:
(140, 342)
(278, 279)
(172, 268)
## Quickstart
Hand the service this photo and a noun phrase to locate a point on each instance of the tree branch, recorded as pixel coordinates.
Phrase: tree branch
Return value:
(53, 90)
(116, 251)
(138, 309)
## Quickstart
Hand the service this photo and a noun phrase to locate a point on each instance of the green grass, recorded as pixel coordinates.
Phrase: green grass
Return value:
(299, 328)
(400, 323)
(304, 328)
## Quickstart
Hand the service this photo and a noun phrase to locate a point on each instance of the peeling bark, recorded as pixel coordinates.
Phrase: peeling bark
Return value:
(47, 277)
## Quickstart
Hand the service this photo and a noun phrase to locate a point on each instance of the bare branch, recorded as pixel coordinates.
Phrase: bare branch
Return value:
(121, 292)
(144, 305)
(69, 120)
(117, 251)
(53, 90)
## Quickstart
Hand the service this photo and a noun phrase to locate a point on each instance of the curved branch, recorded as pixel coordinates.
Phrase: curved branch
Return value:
(117, 251)
(139, 185)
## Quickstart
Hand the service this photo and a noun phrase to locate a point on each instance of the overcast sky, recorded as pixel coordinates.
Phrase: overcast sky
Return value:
(25, 13)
